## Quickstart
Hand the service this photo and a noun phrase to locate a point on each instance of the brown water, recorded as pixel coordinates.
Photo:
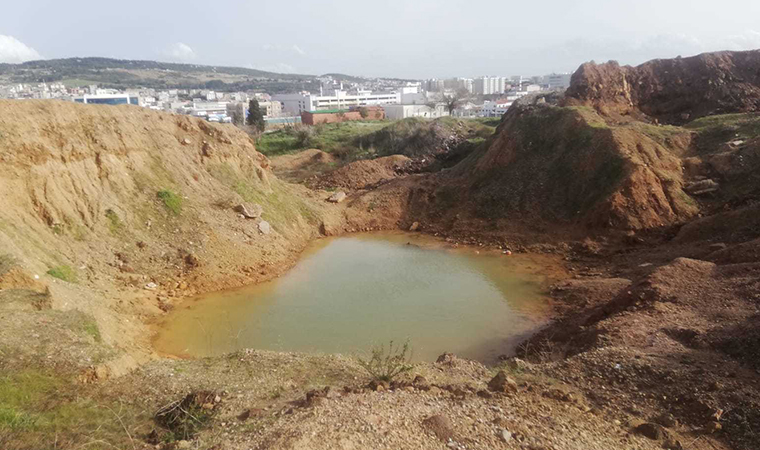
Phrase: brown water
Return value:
(349, 293)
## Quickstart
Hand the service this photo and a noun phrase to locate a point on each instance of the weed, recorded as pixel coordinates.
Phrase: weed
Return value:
(91, 328)
(171, 201)
(185, 418)
(65, 273)
(114, 222)
(385, 365)
(57, 229)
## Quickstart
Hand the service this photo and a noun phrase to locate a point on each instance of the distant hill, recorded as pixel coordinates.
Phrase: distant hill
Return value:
(119, 73)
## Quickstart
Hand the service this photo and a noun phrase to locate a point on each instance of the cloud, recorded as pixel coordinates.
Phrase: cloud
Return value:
(279, 48)
(298, 50)
(181, 52)
(14, 51)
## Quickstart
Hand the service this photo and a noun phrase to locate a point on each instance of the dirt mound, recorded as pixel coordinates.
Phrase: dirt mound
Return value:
(136, 204)
(566, 165)
(671, 90)
(364, 174)
(304, 165)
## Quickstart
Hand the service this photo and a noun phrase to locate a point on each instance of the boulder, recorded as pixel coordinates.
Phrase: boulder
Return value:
(264, 227)
(249, 210)
(502, 383)
(440, 426)
(337, 197)
(651, 430)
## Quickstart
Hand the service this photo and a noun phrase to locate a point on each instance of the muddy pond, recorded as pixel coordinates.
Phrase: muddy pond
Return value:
(349, 293)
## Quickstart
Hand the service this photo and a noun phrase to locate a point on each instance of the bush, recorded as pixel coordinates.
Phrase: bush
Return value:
(304, 136)
(65, 273)
(172, 201)
(386, 365)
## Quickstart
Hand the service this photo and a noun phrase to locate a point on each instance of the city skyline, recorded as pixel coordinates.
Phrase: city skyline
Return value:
(420, 39)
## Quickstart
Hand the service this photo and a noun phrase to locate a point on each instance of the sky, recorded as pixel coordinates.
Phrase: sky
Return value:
(386, 38)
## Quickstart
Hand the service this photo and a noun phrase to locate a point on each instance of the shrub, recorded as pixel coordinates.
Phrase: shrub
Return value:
(385, 365)
(172, 201)
(65, 273)
(304, 136)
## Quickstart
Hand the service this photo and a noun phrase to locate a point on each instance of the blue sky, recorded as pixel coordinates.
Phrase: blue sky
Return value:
(402, 38)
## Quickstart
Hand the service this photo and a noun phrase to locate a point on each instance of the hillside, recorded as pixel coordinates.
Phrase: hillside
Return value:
(121, 74)
(673, 91)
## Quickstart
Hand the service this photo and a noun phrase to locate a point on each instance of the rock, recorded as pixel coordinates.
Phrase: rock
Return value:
(713, 427)
(151, 286)
(186, 141)
(208, 149)
(415, 226)
(447, 358)
(377, 385)
(191, 260)
(651, 430)
(183, 444)
(264, 227)
(505, 435)
(666, 420)
(502, 383)
(337, 197)
(672, 444)
(440, 426)
(717, 246)
(249, 210)
(484, 394)
(702, 187)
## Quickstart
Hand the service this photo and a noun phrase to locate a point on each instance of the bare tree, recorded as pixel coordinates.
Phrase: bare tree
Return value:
(452, 101)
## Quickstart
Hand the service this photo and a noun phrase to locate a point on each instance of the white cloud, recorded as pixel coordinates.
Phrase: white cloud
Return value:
(279, 48)
(298, 50)
(14, 51)
(181, 52)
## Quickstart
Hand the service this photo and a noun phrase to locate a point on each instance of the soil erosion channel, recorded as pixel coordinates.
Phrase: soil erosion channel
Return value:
(350, 293)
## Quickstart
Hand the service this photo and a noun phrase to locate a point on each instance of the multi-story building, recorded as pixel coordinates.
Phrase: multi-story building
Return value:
(108, 99)
(488, 85)
(305, 101)
(557, 80)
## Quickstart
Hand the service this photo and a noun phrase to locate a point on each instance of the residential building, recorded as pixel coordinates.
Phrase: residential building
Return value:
(488, 85)
(305, 101)
(394, 112)
(557, 80)
(496, 108)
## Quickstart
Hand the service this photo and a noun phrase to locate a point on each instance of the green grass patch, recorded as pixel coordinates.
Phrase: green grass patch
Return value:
(114, 222)
(92, 330)
(38, 408)
(713, 131)
(64, 272)
(171, 201)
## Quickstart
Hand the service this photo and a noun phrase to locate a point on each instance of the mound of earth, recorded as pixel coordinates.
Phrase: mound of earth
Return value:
(114, 211)
(363, 174)
(567, 165)
(300, 167)
(671, 90)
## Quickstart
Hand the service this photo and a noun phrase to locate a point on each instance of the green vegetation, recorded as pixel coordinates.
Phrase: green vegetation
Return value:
(281, 206)
(171, 201)
(64, 272)
(114, 223)
(38, 408)
(326, 137)
(90, 327)
(255, 116)
(716, 130)
(366, 139)
(386, 364)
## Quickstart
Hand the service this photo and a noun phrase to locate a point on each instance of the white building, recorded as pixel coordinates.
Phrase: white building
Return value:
(304, 101)
(395, 112)
(557, 80)
(488, 85)
(108, 99)
(496, 108)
